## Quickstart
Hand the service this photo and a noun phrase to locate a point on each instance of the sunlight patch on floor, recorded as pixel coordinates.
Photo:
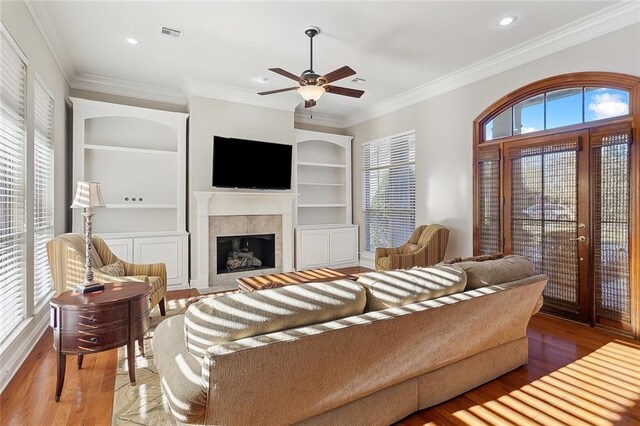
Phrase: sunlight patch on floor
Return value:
(597, 389)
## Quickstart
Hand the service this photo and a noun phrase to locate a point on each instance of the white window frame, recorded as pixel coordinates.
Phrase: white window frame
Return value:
(388, 160)
(9, 326)
(43, 211)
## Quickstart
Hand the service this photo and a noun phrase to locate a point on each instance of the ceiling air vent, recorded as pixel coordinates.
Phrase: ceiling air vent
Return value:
(171, 32)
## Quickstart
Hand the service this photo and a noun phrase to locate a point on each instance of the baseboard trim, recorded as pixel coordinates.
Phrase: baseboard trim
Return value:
(21, 346)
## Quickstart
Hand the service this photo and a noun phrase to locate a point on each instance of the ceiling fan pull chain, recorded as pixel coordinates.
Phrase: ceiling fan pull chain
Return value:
(311, 53)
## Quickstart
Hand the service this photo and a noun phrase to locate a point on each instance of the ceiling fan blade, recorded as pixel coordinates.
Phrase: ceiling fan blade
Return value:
(271, 92)
(344, 91)
(309, 104)
(338, 74)
(285, 73)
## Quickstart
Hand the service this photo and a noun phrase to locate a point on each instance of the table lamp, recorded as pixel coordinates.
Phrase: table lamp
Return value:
(88, 197)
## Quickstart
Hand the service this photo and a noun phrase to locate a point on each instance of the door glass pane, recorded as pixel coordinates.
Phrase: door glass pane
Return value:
(602, 103)
(499, 127)
(611, 232)
(528, 115)
(489, 206)
(543, 222)
(564, 107)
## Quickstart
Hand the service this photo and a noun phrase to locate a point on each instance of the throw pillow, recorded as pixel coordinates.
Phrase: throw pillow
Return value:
(411, 248)
(480, 258)
(116, 269)
(496, 271)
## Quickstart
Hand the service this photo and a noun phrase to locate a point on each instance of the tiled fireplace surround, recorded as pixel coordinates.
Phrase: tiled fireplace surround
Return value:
(225, 213)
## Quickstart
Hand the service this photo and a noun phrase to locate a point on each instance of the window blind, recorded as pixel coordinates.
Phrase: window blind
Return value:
(43, 190)
(388, 191)
(12, 185)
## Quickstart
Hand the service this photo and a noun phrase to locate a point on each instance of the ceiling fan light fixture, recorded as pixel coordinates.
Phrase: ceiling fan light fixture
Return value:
(311, 93)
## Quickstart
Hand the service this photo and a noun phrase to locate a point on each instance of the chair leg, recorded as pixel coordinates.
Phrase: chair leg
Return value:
(161, 305)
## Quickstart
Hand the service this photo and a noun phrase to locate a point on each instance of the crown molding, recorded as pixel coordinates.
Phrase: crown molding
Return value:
(51, 35)
(96, 83)
(318, 119)
(207, 89)
(592, 26)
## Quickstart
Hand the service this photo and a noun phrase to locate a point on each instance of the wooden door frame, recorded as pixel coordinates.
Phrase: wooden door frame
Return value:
(629, 83)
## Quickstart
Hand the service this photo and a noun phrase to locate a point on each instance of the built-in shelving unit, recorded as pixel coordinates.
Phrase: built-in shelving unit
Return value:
(325, 235)
(139, 157)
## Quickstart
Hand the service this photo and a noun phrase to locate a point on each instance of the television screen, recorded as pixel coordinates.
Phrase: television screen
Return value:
(242, 163)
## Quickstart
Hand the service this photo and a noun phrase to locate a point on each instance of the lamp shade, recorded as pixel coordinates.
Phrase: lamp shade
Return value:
(88, 195)
(311, 93)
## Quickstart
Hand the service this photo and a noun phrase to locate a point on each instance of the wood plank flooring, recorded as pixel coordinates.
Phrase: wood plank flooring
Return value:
(575, 375)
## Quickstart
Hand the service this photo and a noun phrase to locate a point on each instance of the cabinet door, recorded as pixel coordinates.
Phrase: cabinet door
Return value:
(312, 250)
(344, 246)
(121, 247)
(167, 250)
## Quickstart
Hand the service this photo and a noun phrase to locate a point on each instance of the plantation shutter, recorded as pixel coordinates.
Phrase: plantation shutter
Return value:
(488, 201)
(12, 185)
(611, 209)
(388, 191)
(43, 190)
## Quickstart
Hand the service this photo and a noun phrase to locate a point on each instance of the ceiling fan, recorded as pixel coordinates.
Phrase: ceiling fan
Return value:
(312, 85)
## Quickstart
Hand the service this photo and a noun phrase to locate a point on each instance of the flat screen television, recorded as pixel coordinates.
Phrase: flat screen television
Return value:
(242, 163)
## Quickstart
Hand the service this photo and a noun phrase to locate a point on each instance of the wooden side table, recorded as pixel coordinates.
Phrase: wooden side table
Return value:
(95, 322)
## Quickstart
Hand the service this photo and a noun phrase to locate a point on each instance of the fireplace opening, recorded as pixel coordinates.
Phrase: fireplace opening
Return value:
(237, 253)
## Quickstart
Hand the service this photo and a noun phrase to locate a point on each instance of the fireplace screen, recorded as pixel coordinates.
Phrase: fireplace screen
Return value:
(238, 253)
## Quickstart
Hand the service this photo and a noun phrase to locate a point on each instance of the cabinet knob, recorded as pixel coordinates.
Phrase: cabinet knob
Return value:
(139, 199)
(94, 340)
(133, 199)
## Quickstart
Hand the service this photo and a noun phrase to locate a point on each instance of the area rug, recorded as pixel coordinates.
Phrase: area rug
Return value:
(144, 403)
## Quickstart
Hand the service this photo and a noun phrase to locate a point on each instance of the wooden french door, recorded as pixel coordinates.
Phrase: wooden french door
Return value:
(567, 208)
(546, 215)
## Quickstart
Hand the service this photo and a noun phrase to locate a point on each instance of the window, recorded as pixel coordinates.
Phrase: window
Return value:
(12, 185)
(558, 108)
(388, 191)
(42, 190)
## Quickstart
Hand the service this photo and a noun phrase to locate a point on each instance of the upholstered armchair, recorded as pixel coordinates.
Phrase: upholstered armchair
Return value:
(425, 247)
(66, 255)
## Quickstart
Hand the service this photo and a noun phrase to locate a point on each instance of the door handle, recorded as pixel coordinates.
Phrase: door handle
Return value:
(580, 239)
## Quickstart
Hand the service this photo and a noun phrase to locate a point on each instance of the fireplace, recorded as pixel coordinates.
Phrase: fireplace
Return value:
(238, 253)
(225, 213)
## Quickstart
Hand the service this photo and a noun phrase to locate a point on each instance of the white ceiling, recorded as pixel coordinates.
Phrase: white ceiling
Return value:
(395, 46)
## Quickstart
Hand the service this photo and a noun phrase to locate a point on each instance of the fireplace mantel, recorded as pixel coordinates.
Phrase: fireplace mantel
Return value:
(231, 203)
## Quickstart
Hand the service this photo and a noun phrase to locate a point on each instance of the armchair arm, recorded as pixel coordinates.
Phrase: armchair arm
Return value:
(151, 269)
(387, 251)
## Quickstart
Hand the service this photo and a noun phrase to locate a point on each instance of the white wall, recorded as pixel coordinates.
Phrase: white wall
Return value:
(17, 19)
(212, 117)
(444, 139)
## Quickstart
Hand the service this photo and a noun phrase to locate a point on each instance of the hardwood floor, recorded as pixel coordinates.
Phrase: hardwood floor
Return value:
(575, 375)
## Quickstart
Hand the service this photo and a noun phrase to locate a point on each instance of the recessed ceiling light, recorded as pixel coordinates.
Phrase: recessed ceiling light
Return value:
(260, 79)
(507, 20)
(131, 40)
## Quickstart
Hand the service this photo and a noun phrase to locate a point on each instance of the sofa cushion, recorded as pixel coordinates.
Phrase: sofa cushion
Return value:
(498, 271)
(236, 316)
(410, 248)
(404, 286)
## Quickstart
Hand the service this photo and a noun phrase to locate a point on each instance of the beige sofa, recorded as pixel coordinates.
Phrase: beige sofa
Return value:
(310, 354)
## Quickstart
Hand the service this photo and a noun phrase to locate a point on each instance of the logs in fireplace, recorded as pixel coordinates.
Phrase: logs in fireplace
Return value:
(238, 253)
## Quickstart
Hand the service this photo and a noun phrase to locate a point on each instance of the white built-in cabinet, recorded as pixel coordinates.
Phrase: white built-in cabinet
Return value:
(139, 157)
(325, 235)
